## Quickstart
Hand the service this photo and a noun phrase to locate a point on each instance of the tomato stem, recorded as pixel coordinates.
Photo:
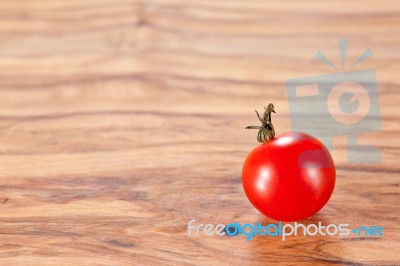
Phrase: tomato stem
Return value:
(266, 131)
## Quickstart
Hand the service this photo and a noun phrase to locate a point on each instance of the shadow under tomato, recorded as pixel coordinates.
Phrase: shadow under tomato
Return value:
(296, 249)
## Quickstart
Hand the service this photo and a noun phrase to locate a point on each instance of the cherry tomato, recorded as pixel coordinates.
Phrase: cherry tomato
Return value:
(290, 177)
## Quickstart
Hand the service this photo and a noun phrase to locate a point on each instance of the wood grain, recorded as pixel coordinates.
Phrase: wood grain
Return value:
(122, 120)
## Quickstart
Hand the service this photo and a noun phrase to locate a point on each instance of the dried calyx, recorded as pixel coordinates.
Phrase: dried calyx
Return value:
(266, 131)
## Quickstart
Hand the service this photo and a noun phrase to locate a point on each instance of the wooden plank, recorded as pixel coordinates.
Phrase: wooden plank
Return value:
(120, 121)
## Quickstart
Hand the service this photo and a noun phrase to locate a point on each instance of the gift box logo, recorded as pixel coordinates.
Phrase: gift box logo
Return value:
(345, 103)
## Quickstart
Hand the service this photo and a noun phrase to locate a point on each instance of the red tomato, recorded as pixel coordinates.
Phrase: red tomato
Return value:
(289, 178)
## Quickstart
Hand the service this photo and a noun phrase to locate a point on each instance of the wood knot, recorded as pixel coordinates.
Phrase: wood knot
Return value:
(4, 200)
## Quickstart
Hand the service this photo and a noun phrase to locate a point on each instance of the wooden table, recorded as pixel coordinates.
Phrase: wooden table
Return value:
(120, 121)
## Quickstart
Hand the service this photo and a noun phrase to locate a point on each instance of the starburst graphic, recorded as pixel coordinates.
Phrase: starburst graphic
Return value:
(343, 50)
